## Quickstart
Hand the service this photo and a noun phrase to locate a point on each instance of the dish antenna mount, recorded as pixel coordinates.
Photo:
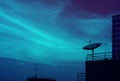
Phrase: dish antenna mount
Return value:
(92, 46)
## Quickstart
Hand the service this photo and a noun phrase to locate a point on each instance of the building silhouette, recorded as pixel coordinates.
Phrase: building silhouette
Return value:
(36, 78)
(106, 66)
(116, 37)
(39, 79)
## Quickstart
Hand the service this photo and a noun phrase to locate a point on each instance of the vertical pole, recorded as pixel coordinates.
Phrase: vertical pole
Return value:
(36, 69)
(42, 70)
(92, 54)
(105, 58)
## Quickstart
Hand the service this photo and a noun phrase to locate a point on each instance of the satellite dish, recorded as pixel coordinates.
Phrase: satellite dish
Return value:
(92, 47)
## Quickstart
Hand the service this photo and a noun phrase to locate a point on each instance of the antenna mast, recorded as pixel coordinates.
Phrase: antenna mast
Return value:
(36, 70)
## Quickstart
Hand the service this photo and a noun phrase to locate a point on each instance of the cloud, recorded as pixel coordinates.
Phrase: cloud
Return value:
(53, 30)
(100, 7)
(91, 8)
(4, 6)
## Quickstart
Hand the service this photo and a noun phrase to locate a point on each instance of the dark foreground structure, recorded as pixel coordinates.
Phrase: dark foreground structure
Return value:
(39, 79)
(106, 66)
(104, 70)
(116, 36)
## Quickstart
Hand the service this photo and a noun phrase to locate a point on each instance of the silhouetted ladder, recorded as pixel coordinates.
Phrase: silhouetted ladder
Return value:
(80, 76)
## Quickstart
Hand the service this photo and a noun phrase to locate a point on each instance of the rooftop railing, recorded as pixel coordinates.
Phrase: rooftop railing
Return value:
(99, 56)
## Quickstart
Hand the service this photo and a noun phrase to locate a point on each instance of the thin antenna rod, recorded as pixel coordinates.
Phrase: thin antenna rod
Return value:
(36, 70)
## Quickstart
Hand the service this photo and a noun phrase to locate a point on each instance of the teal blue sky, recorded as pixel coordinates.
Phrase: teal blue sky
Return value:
(54, 31)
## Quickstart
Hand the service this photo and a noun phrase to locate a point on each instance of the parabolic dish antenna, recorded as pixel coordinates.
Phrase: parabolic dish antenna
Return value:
(92, 47)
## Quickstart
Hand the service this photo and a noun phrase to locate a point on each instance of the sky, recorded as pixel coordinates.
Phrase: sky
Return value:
(55, 31)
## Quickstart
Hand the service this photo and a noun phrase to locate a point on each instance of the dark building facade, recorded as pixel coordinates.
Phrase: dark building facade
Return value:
(116, 37)
(107, 69)
(104, 70)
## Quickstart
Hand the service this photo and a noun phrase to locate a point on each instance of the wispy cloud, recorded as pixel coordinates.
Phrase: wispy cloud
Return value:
(53, 30)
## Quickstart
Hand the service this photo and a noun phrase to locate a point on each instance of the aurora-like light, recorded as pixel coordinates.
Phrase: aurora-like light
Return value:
(39, 31)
